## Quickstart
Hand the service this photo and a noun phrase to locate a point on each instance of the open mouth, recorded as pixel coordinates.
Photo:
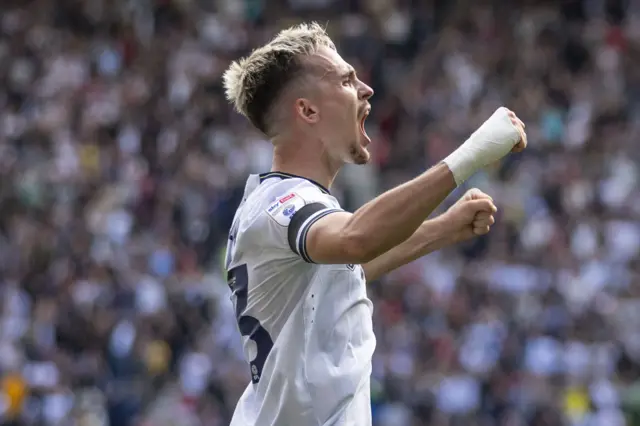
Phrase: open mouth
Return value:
(362, 127)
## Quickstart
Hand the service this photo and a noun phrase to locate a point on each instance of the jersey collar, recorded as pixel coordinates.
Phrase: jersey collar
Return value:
(283, 175)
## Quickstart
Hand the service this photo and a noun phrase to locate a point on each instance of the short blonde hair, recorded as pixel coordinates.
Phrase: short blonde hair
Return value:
(252, 84)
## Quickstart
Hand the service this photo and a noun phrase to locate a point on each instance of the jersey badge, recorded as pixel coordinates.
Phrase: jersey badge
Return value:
(289, 211)
(272, 208)
(285, 207)
(286, 198)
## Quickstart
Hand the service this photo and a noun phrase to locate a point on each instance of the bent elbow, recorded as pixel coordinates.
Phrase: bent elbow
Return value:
(358, 250)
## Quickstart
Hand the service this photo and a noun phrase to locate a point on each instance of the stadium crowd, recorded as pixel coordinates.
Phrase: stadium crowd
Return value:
(121, 165)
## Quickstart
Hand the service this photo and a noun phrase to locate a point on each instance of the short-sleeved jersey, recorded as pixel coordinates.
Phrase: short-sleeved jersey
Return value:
(307, 328)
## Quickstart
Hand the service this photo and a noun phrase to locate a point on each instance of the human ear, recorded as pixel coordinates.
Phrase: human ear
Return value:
(307, 111)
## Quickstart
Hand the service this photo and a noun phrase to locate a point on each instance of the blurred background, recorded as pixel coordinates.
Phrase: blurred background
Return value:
(121, 166)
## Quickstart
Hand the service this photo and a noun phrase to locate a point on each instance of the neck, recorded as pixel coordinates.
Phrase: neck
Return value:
(301, 161)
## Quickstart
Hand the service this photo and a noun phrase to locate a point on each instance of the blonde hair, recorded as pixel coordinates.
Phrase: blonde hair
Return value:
(252, 84)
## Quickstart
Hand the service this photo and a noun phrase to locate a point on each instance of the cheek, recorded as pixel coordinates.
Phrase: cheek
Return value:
(341, 102)
(334, 107)
(339, 110)
(335, 116)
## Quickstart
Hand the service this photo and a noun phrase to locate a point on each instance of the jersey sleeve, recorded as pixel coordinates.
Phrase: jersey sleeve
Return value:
(295, 211)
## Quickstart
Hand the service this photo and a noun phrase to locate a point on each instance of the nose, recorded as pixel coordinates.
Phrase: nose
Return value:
(364, 92)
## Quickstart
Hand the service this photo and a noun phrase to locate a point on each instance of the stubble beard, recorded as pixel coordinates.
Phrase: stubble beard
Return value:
(360, 155)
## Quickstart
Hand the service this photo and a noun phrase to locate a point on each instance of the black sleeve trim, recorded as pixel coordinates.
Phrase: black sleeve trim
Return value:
(299, 218)
(302, 241)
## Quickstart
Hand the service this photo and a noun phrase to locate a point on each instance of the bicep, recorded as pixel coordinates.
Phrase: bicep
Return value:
(320, 235)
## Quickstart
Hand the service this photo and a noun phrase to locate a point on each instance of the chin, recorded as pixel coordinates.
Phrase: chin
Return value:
(360, 155)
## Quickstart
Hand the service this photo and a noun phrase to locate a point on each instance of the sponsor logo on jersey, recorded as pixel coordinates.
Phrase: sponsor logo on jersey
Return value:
(286, 198)
(285, 207)
(273, 207)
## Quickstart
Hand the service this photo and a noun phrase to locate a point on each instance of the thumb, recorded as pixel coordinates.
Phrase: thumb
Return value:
(481, 205)
(476, 194)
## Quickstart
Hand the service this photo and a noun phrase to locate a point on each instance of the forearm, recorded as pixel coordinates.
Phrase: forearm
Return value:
(432, 235)
(394, 216)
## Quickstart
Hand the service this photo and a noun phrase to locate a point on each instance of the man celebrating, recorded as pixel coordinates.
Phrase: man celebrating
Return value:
(297, 263)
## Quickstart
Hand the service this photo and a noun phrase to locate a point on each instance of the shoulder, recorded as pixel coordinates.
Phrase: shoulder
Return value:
(290, 196)
(280, 210)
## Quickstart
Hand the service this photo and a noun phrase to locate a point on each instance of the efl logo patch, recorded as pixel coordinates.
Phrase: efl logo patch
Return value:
(286, 198)
(283, 210)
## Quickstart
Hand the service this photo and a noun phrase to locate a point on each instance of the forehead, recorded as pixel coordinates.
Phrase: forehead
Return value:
(329, 62)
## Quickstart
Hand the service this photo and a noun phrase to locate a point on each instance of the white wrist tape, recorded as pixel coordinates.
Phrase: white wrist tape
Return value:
(492, 141)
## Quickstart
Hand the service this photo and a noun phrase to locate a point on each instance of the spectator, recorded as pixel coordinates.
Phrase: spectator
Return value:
(122, 165)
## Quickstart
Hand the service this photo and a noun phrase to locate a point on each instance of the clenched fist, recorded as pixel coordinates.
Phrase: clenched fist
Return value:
(471, 215)
(501, 134)
(519, 125)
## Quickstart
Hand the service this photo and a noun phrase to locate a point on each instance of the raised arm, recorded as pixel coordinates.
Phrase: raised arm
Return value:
(382, 223)
(471, 216)
(394, 216)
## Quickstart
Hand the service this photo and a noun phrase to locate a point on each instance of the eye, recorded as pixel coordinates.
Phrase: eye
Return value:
(349, 79)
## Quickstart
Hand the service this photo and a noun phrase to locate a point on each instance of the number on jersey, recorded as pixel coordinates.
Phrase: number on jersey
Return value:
(238, 280)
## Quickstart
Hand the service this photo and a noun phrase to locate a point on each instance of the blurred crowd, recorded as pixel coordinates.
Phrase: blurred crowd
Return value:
(121, 165)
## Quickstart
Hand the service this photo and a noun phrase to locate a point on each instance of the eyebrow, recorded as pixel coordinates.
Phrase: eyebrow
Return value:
(339, 72)
(350, 71)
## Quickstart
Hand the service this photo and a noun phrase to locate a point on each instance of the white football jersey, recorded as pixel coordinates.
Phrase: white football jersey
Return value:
(306, 328)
